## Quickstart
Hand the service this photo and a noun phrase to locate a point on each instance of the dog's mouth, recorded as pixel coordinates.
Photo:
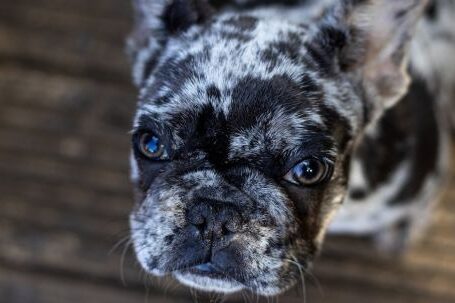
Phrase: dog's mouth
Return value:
(207, 270)
(208, 277)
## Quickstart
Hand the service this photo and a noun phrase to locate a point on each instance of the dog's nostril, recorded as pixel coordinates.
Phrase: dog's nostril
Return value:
(214, 220)
(225, 230)
(230, 220)
(230, 227)
(201, 226)
(199, 222)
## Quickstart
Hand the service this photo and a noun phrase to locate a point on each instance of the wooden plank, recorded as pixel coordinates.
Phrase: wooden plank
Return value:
(426, 268)
(36, 287)
(65, 105)
(55, 181)
(59, 218)
(388, 279)
(61, 93)
(45, 288)
(61, 170)
(74, 54)
(75, 253)
(439, 240)
(426, 255)
(74, 149)
(74, 127)
(422, 270)
(37, 17)
(67, 197)
(99, 8)
(72, 142)
(84, 203)
(40, 119)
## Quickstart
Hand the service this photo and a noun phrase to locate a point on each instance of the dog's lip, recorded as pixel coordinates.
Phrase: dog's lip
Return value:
(205, 267)
(207, 277)
(208, 270)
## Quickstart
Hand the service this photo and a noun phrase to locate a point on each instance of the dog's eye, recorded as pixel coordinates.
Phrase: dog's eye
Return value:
(151, 147)
(310, 171)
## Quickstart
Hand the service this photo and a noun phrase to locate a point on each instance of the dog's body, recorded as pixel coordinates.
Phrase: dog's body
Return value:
(400, 164)
(258, 122)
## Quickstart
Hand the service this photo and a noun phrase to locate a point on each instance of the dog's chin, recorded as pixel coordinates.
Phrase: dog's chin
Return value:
(208, 284)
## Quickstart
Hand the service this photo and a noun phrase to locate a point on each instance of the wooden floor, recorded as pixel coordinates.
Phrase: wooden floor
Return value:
(65, 110)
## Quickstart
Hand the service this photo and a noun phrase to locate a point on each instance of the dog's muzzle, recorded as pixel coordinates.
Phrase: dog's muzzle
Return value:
(216, 223)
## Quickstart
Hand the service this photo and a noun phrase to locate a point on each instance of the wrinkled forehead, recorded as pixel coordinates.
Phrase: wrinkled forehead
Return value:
(252, 80)
(254, 116)
(230, 48)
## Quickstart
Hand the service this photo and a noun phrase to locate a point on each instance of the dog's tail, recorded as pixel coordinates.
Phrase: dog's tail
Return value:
(433, 53)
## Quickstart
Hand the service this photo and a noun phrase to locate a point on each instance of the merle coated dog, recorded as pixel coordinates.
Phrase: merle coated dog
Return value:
(261, 125)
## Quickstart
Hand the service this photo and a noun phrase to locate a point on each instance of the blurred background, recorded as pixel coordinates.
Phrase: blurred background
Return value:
(66, 103)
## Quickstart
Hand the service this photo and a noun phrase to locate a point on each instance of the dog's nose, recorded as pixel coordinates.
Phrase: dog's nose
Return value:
(215, 219)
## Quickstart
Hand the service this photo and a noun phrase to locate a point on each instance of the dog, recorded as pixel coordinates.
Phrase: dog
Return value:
(263, 125)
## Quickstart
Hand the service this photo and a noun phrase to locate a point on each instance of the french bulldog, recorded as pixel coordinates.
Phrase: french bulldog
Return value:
(263, 125)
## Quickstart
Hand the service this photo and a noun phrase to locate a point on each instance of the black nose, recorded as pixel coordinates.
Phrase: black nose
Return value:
(214, 219)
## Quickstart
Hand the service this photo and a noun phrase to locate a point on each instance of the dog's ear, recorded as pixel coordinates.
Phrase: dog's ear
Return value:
(155, 22)
(374, 44)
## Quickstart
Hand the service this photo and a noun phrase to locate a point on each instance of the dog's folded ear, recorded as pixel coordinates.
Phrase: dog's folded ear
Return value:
(155, 22)
(375, 45)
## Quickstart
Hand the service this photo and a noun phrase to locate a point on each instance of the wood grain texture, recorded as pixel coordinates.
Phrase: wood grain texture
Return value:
(66, 107)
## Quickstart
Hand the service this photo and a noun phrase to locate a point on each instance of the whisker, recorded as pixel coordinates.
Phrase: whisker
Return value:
(118, 244)
(315, 280)
(295, 262)
(122, 261)
(194, 295)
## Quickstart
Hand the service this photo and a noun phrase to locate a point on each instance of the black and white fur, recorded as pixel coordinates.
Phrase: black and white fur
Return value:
(241, 91)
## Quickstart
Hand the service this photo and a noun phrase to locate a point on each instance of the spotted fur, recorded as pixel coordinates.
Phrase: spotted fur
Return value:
(240, 92)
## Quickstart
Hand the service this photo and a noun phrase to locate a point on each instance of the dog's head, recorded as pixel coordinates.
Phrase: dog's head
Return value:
(244, 131)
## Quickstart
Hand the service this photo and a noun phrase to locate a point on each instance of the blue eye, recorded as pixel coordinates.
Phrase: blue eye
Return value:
(309, 172)
(152, 148)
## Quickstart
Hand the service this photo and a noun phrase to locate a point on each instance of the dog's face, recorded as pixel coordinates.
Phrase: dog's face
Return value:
(241, 143)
